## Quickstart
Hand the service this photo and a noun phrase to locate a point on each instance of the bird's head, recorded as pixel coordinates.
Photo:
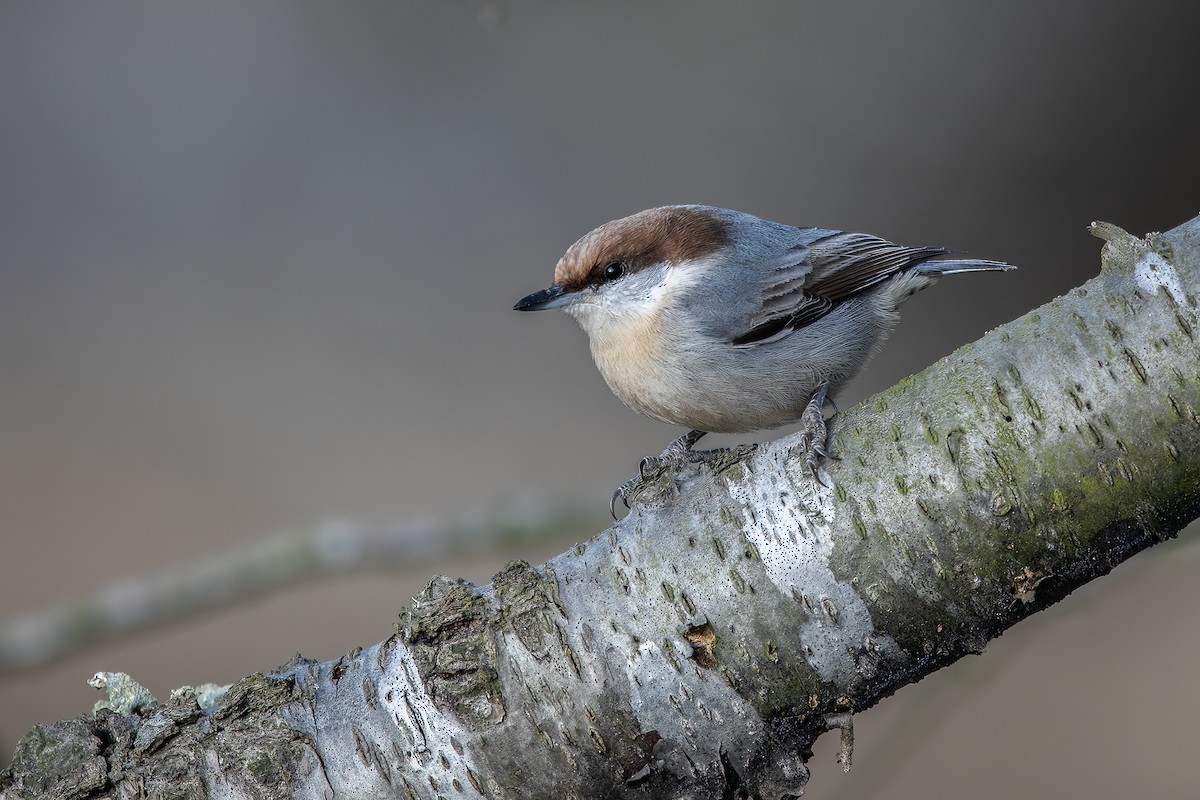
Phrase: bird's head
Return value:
(631, 267)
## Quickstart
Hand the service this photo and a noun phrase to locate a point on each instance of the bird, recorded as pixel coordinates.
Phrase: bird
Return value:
(723, 322)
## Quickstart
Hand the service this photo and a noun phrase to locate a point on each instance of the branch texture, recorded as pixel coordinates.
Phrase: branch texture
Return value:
(698, 647)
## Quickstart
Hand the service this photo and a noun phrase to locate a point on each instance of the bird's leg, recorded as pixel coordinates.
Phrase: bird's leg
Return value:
(677, 452)
(813, 436)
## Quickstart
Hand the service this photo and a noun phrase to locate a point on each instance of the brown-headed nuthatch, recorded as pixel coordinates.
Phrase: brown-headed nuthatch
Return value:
(724, 322)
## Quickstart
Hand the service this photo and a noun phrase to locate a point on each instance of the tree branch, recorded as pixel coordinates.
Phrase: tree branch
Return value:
(171, 596)
(698, 647)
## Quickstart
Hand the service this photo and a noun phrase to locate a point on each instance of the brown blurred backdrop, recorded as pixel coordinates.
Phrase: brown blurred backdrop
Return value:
(257, 263)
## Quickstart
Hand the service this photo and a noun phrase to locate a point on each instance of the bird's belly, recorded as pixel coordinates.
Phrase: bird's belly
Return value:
(710, 393)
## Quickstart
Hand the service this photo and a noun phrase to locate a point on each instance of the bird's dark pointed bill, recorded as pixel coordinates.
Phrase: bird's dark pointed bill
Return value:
(552, 297)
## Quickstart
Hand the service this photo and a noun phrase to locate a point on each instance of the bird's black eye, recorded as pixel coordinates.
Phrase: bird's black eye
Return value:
(613, 271)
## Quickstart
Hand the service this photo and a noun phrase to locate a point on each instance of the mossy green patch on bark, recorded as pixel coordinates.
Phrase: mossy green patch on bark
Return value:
(255, 694)
(528, 605)
(61, 760)
(448, 632)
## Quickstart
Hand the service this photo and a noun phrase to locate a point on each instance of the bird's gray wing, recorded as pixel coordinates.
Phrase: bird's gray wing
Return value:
(824, 268)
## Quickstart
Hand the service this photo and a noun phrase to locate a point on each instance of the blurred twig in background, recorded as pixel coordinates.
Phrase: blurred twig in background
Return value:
(337, 547)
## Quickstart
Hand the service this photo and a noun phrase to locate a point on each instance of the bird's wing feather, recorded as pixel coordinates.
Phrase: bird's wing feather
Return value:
(847, 263)
(821, 270)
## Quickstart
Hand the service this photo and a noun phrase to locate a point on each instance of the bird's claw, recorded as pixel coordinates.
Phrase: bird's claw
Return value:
(621, 494)
(677, 452)
(813, 465)
(647, 467)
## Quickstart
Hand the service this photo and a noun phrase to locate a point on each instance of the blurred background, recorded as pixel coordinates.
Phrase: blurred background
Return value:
(257, 263)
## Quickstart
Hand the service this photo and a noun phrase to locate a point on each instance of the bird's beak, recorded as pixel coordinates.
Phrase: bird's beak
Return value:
(553, 297)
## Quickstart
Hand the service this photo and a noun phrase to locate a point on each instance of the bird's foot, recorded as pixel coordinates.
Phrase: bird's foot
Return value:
(813, 437)
(677, 453)
(622, 494)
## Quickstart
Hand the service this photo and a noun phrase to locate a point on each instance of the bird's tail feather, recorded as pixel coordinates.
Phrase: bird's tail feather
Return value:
(951, 266)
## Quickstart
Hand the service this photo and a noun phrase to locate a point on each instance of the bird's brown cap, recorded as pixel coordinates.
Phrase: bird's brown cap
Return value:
(666, 235)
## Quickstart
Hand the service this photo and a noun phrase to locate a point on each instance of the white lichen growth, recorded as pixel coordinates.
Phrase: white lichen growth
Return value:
(125, 695)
